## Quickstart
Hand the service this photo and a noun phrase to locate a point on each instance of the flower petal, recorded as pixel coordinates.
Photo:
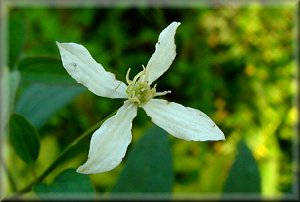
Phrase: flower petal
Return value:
(165, 52)
(85, 70)
(182, 122)
(109, 143)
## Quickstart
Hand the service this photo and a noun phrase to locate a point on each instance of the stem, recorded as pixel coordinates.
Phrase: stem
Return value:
(31, 167)
(9, 176)
(75, 143)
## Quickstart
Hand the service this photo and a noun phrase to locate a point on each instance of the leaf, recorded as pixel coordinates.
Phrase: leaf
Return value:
(149, 165)
(40, 101)
(68, 184)
(24, 138)
(16, 37)
(244, 176)
(10, 82)
(14, 81)
(44, 69)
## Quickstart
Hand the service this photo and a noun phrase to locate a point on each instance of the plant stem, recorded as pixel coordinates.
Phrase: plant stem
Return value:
(9, 176)
(75, 143)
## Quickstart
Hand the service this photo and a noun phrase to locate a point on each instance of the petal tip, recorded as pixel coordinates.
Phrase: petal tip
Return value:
(220, 135)
(81, 169)
(176, 23)
(57, 43)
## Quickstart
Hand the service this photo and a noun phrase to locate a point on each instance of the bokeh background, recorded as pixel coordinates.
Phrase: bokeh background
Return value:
(236, 63)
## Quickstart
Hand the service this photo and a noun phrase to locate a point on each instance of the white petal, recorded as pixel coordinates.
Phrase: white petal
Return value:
(182, 122)
(109, 143)
(85, 70)
(165, 52)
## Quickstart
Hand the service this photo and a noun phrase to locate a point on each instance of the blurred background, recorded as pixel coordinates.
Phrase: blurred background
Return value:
(237, 64)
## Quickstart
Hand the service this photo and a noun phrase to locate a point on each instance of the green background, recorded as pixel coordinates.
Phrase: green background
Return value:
(235, 63)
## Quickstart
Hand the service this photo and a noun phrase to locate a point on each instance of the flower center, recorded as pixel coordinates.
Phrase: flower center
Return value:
(139, 91)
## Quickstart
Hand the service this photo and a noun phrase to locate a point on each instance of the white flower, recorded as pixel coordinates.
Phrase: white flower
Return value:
(109, 143)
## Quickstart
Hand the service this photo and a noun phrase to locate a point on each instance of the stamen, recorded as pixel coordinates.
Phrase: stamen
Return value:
(139, 91)
(135, 100)
(127, 76)
(162, 93)
(145, 76)
(137, 76)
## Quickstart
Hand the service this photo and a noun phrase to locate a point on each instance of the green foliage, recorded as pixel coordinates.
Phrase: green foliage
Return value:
(24, 138)
(16, 37)
(49, 85)
(244, 176)
(44, 70)
(234, 63)
(10, 84)
(148, 168)
(47, 100)
(67, 185)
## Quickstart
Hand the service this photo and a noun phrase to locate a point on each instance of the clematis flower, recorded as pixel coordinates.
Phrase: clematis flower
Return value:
(109, 143)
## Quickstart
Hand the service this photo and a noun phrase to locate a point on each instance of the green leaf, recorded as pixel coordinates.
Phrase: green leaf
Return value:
(244, 176)
(10, 82)
(40, 101)
(68, 184)
(14, 81)
(44, 69)
(24, 138)
(16, 37)
(149, 165)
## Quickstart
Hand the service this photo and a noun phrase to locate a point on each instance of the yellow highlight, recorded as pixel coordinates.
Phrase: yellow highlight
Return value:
(260, 152)
(250, 70)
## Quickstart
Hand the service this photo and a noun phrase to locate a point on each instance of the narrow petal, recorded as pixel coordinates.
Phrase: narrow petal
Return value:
(109, 143)
(165, 52)
(85, 70)
(182, 122)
